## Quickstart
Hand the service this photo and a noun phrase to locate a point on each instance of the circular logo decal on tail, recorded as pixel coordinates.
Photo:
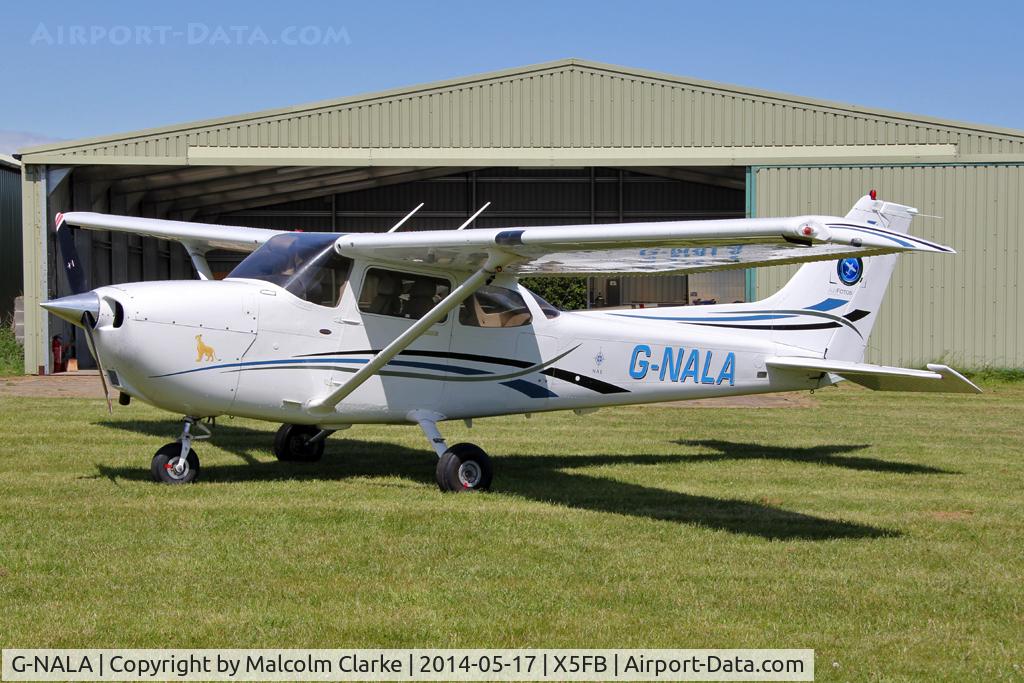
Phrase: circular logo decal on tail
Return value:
(850, 271)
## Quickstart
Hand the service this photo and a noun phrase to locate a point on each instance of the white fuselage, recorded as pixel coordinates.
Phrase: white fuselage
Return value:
(250, 348)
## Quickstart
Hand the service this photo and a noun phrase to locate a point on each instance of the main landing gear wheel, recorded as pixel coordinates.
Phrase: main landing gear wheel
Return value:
(464, 467)
(291, 444)
(169, 467)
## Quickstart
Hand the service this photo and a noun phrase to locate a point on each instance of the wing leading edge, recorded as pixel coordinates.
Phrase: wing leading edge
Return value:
(622, 248)
(198, 236)
(641, 248)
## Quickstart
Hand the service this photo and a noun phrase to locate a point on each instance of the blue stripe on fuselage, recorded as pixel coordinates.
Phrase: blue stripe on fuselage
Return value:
(456, 369)
(827, 305)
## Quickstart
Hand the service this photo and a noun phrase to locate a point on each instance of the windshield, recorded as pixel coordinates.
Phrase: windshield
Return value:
(304, 263)
(549, 310)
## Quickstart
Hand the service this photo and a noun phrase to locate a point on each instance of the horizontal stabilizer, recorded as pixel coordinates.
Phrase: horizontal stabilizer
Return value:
(882, 377)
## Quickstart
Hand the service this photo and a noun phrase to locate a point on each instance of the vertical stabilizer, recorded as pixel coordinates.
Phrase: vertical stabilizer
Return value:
(846, 294)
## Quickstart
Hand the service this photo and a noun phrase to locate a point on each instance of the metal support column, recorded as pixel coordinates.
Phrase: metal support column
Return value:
(750, 274)
(34, 242)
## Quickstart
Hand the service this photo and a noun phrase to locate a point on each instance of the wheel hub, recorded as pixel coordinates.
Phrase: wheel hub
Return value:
(299, 447)
(469, 474)
(177, 467)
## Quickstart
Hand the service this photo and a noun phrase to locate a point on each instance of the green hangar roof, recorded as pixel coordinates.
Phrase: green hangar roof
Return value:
(564, 113)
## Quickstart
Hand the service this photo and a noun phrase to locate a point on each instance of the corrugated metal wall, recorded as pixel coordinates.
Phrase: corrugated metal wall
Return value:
(10, 241)
(967, 308)
(567, 104)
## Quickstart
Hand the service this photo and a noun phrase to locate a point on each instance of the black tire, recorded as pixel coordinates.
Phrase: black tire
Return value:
(163, 466)
(464, 467)
(290, 444)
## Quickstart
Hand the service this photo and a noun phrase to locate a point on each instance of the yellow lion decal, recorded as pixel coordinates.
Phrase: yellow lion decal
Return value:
(204, 351)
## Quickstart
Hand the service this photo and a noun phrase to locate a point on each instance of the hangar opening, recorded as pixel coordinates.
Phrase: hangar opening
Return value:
(524, 197)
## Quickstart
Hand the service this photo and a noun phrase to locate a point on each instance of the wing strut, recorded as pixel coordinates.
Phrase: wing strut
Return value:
(495, 261)
(198, 256)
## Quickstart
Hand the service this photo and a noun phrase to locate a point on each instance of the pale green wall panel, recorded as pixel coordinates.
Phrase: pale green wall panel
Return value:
(33, 209)
(965, 308)
(562, 104)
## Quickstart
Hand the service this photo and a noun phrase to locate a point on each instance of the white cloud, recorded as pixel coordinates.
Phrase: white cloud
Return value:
(12, 141)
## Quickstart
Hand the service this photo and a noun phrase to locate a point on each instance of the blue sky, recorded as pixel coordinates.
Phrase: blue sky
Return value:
(136, 65)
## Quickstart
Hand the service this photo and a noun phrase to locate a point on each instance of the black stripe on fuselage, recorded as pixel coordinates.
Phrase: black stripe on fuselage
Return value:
(854, 316)
(564, 375)
(590, 383)
(809, 326)
(436, 354)
(584, 381)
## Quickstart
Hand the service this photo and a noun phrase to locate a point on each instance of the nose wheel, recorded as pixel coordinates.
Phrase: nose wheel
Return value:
(169, 467)
(177, 463)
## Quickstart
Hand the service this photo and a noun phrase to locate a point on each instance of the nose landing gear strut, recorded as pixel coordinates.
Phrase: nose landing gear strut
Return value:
(177, 463)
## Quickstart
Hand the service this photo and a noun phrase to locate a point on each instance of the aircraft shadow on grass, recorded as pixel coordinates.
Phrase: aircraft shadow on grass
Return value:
(544, 478)
(818, 455)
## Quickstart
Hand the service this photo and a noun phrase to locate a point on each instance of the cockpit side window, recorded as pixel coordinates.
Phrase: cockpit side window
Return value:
(492, 306)
(305, 264)
(402, 295)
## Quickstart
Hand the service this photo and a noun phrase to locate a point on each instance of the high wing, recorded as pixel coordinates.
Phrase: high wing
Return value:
(197, 238)
(640, 248)
(620, 248)
(200, 236)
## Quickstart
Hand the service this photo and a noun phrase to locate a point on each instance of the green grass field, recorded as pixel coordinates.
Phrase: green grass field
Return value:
(886, 531)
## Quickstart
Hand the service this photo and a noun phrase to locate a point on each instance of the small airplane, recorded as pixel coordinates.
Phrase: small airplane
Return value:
(320, 331)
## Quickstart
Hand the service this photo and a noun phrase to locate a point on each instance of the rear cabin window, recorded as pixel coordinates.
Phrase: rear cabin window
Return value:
(402, 295)
(494, 307)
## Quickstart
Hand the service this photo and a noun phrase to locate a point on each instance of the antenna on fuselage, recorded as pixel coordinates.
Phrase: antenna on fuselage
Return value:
(473, 217)
(397, 225)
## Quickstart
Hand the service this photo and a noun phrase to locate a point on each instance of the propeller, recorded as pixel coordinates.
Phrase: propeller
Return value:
(82, 308)
(88, 322)
(69, 255)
